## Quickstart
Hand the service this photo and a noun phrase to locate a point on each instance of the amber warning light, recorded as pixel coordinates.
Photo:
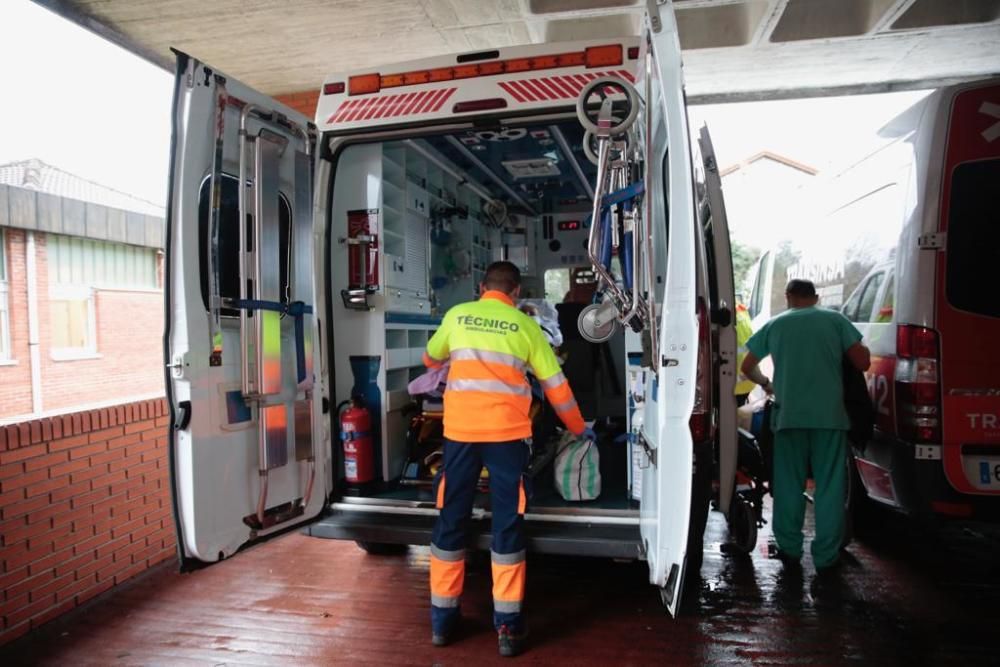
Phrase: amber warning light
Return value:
(593, 56)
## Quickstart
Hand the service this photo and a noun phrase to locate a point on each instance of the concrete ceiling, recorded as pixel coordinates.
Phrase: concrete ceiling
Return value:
(734, 49)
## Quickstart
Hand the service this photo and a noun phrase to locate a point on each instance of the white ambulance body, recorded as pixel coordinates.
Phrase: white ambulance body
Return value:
(905, 243)
(267, 331)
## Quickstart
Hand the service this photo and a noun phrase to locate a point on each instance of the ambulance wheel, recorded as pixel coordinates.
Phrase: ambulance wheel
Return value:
(742, 525)
(381, 548)
(602, 88)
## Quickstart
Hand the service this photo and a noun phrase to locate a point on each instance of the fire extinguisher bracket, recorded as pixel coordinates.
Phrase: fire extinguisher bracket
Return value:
(357, 299)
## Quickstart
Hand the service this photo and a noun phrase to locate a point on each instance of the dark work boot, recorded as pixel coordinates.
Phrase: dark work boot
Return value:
(510, 644)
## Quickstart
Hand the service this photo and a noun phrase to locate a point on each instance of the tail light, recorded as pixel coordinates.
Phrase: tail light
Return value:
(918, 384)
(701, 415)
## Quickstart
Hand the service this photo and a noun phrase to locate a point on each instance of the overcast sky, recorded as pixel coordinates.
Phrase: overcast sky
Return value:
(93, 109)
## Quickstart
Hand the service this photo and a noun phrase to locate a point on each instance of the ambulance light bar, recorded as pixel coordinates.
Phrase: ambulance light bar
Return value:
(593, 56)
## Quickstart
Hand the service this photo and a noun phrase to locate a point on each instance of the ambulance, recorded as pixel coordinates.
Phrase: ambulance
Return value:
(309, 260)
(905, 243)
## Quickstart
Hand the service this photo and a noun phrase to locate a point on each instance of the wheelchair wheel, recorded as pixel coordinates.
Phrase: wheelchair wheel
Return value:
(742, 524)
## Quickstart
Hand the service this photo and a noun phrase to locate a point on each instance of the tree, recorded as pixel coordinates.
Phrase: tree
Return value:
(744, 257)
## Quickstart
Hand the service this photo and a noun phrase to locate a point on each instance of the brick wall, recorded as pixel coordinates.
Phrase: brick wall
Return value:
(129, 327)
(84, 506)
(15, 378)
(304, 102)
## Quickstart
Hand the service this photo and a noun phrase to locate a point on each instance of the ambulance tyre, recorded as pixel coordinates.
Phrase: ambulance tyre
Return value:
(382, 548)
(600, 87)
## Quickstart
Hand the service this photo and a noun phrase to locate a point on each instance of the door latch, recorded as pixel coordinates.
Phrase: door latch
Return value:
(932, 241)
(177, 366)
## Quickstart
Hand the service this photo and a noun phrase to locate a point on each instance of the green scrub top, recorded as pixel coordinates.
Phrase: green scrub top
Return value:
(808, 346)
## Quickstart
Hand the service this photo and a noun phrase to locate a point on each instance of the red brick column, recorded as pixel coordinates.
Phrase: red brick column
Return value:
(304, 102)
(84, 506)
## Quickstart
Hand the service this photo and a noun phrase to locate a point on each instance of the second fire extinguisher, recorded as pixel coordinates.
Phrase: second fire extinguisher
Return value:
(356, 436)
(363, 248)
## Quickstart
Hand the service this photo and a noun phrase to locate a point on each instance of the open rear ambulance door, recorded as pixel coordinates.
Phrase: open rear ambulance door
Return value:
(665, 434)
(723, 293)
(246, 454)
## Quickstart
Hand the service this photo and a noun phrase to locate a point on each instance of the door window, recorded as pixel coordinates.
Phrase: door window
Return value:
(974, 239)
(757, 295)
(229, 241)
(859, 306)
(885, 310)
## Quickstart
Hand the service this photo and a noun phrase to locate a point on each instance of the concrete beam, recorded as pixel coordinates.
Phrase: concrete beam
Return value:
(68, 10)
(830, 91)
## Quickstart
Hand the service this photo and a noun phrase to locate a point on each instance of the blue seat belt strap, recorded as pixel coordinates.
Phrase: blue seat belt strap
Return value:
(296, 309)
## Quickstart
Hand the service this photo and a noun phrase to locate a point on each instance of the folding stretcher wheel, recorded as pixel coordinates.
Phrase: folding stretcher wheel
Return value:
(588, 104)
(597, 322)
(742, 524)
(590, 146)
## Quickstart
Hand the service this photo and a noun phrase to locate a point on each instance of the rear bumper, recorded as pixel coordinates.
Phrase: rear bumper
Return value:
(554, 537)
(921, 488)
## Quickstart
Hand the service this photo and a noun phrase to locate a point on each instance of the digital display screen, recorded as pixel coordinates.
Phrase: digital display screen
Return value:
(568, 225)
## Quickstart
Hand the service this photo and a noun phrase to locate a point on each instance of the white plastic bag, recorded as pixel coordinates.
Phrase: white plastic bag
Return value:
(577, 468)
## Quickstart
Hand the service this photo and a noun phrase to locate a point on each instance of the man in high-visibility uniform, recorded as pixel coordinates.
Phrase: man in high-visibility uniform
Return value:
(490, 345)
(744, 329)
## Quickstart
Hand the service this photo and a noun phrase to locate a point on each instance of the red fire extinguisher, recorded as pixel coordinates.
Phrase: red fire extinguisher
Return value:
(362, 252)
(356, 434)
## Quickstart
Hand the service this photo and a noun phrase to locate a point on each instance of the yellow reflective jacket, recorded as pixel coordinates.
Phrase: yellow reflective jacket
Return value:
(744, 329)
(490, 345)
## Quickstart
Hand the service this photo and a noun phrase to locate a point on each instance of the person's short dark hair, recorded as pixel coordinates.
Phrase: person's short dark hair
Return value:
(803, 289)
(502, 276)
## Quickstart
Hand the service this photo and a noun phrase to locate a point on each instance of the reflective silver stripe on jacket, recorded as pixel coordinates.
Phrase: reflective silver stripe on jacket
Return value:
(443, 602)
(507, 559)
(553, 382)
(445, 555)
(506, 607)
(564, 406)
(472, 354)
(494, 386)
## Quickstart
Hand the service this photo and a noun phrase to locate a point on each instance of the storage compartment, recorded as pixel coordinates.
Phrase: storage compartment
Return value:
(440, 233)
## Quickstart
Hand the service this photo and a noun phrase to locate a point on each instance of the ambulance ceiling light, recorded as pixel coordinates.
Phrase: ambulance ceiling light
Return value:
(535, 168)
(608, 55)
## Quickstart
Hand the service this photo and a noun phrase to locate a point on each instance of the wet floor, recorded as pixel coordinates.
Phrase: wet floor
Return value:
(901, 598)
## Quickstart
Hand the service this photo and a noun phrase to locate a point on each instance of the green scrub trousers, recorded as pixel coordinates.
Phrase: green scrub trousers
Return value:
(796, 451)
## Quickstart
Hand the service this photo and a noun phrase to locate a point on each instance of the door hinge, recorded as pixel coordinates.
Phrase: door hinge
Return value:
(177, 366)
(654, 15)
(932, 241)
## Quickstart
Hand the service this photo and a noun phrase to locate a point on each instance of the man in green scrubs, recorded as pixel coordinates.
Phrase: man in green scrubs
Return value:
(810, 424)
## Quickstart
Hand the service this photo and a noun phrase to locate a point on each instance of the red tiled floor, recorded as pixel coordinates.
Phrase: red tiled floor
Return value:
(305, 601)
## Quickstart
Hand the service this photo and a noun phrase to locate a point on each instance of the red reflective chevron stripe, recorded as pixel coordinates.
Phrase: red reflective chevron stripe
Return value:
(440, 102)
(549, 86)
(360, 109)
(341, 111)
(556, 83)
(510, 91)
(401, 105)
(413, 103)
(539, 92)
(431, 99)
(525, 91)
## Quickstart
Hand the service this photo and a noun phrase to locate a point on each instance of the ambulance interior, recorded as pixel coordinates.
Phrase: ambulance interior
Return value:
(445, 206)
